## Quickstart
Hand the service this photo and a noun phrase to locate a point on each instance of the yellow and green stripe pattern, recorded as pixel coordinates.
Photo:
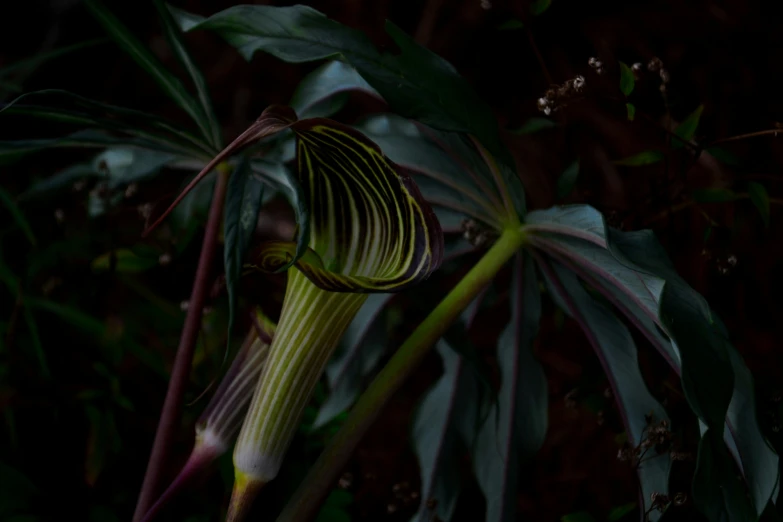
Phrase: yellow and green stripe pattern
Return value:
(311, 323)
(370, 230)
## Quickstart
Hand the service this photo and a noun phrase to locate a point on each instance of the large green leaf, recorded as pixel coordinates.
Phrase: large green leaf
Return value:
(324, 91)
(177, 44)
(617, 352)
(516, 426)
(169, 83)
(579, 221)
(631, 275)
(243, 201)
(448, 169)
(717, 490)
(756, 459)
(362, 346)
(416, 82)
(446, 414)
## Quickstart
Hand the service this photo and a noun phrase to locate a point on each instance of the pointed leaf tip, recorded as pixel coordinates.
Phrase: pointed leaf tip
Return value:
(274, 119)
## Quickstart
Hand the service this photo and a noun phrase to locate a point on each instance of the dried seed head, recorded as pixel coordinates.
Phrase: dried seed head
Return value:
(596, 64)
(474, 233)
(659, 501)
(680, 456)
(655, 65)
(558, 96)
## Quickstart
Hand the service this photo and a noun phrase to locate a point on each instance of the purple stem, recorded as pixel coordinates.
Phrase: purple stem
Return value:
(197, 463)
(172, 406)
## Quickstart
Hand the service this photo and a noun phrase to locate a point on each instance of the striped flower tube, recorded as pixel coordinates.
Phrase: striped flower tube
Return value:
(369, 230)
(218, 425)
(222, 418)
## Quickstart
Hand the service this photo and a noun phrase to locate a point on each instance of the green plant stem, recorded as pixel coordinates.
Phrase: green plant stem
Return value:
(308, 497)
(172, 405)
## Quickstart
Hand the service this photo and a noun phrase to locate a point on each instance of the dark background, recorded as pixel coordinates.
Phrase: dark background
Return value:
(84, 453)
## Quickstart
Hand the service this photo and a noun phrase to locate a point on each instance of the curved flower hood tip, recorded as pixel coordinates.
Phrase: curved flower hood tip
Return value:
(369, 230)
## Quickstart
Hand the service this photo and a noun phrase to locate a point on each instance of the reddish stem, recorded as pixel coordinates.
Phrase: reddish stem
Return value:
(172, 406)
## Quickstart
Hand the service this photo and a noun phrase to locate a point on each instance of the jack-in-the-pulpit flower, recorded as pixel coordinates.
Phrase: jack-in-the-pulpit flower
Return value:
(369, 230)
(219, 423)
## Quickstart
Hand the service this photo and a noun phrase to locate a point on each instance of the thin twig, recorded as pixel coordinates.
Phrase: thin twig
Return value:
(756, 134)
(172, 406)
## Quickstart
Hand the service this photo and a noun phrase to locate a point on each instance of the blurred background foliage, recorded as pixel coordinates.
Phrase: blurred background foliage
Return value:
(88, 336)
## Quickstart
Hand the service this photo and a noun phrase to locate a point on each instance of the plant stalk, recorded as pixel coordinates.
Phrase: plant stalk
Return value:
(172, 405)
(308, 497)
